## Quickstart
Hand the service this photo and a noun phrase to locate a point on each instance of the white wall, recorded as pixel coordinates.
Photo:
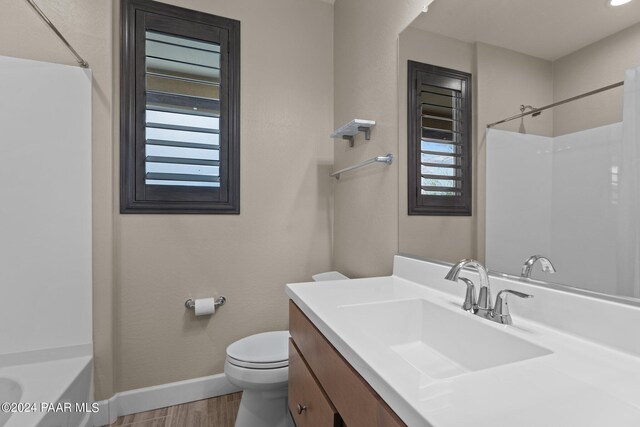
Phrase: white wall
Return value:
(561, 202)
(45, 214)
(584, 217)
(88, 26)
(519, 194)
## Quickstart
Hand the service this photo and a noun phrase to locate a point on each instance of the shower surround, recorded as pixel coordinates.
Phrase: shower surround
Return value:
(573, 198)
(45, 250)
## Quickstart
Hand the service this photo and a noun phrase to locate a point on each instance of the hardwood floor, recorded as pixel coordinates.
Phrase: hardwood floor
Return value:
(215, 412)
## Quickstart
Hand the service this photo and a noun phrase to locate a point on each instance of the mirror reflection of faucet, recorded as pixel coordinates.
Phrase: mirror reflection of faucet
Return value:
(482, 306)
(527, 267)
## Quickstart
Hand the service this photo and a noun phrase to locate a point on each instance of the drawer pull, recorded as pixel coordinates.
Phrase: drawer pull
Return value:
(301, 408)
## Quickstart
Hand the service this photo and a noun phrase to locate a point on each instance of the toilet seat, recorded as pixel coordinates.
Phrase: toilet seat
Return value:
(268, 350)
(253, 365)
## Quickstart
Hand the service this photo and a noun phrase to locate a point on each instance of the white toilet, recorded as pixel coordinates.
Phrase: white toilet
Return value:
(259, 365)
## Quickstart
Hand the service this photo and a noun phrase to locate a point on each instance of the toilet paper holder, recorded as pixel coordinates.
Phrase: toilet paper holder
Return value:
(191, 304)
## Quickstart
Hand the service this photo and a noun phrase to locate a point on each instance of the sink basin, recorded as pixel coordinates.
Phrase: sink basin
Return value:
(437, 341)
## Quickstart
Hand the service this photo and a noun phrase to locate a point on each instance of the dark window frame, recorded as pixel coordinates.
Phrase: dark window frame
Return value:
(135, 195)
(419, 204)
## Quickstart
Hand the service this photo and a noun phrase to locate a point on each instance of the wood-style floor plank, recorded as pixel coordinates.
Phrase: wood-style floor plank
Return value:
(223, 412)
(141, 416)
(218, 411)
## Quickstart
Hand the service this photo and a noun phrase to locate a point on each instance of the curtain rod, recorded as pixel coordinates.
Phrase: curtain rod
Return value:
(555, 104)
(81, 62)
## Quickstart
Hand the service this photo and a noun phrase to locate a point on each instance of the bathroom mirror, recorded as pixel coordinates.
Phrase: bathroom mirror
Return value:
(559, 183)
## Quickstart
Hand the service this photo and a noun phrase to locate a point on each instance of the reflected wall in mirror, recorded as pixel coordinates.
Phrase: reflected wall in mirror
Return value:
(560, 183)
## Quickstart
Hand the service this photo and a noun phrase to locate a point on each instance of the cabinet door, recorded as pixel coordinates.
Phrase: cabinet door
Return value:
(308, 404)
(357, 403)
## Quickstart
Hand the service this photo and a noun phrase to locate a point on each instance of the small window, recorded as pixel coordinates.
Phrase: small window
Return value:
(180, 110)
(439, 145)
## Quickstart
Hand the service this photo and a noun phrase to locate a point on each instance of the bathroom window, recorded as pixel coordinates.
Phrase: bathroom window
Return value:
(439, 140)
(180, 110)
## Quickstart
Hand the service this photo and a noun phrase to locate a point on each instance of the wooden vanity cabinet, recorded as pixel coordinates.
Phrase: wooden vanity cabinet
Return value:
(320, 378)
(309, 405)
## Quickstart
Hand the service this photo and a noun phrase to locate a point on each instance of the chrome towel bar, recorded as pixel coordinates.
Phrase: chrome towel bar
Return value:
(388, 159)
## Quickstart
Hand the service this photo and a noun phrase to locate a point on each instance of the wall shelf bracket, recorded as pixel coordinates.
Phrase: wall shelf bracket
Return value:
(351, 129)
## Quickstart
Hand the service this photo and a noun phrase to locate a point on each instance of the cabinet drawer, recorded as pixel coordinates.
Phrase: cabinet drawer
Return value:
(357, 403)
(305, 392)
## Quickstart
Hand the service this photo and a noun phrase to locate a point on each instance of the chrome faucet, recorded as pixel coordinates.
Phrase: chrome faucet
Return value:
(484, 296)
(482, 307)
(527, 267)
(501, 313)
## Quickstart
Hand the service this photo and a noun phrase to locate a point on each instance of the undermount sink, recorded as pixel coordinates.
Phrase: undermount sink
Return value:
(437, 341)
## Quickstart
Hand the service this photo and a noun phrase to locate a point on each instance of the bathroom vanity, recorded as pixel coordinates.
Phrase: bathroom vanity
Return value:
(324, 390)
(399, 350)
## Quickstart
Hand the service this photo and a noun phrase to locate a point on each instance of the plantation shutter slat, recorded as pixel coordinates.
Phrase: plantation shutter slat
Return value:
(443, 177)
(181, 177)
(184, 161)
(451, 190)
(441, 165)
(182, 144)
(441, 153)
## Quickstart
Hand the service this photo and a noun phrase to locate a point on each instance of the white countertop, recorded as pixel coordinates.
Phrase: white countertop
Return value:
(579, 383)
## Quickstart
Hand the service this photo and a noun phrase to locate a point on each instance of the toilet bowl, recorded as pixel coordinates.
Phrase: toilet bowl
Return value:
(259, 365)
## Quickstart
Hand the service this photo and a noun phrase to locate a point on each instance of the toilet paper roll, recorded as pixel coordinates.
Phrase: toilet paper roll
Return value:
(205, 306)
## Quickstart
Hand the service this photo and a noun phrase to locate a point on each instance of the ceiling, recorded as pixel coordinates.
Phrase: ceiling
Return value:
(547, 29)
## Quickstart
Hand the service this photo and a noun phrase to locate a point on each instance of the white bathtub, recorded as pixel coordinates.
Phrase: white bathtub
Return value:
(48, 379)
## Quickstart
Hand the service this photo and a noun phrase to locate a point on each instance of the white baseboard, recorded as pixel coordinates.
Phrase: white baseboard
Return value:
(161, 396)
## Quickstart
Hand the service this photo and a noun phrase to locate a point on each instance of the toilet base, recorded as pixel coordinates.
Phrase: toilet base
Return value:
(264, 409)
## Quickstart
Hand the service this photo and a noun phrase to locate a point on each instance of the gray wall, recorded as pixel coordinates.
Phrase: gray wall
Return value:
(366, 80)
(597, 65)
(145, 266)
(502, 81)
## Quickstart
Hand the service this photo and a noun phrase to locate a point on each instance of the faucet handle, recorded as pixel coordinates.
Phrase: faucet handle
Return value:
(501, 309)
(469, 303)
